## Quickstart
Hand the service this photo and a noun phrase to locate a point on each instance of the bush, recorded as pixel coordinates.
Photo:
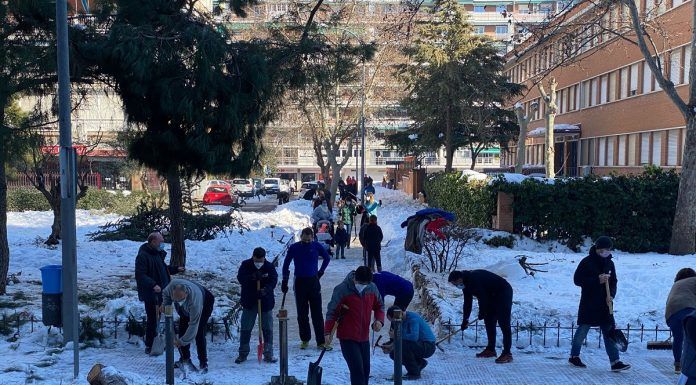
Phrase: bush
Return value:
(31, 199)
(473, 202)
(637, 211)
(499, 240)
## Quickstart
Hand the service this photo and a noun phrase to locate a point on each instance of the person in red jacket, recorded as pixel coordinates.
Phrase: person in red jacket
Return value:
(352, 304)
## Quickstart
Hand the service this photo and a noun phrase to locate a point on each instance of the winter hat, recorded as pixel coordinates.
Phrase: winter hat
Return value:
(604, 242)
(363, 274)
(455, 276)
(259, 252)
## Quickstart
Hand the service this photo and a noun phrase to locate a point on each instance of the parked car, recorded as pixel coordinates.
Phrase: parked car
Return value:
(311, 185)
(244, 187)
(200, 189)
(219, 195)
(272, 185)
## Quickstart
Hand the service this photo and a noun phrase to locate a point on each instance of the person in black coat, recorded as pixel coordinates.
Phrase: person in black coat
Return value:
(151, 276)
(254, 272)
(371, 239)
(592, 275)
(494, 295)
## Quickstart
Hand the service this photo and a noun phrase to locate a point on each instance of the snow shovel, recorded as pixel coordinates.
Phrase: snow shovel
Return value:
(445, 338)
(315, 371)
(259, 349)
(615, 335)
(158, 344)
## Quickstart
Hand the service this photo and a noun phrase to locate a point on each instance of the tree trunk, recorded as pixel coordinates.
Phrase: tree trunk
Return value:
(550, 150)
(523, 122)
(449, 146)
(54, 238)
(684, 227)
(4, 246)
(176, 218)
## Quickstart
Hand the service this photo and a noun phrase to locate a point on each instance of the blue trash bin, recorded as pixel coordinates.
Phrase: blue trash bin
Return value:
(52, 279)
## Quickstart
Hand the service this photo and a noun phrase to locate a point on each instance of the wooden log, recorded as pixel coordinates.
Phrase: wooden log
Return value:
(98, 376)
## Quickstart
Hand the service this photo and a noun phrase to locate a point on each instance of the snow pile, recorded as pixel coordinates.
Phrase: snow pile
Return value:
(508, 178)
(472, 175)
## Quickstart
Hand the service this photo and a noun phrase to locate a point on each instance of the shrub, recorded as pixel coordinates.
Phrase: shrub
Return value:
(499, 240)
(637, 211)
(442, 254)
(26, 199)
(472, 202)
(31, 199)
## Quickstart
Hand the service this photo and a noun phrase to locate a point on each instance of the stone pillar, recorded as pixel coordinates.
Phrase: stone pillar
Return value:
(505, 214)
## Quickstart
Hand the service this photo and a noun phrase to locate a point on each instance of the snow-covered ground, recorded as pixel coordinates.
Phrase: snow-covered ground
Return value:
(107, 287)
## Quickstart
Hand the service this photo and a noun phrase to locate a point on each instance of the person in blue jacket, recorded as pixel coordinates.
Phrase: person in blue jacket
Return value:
(392, 284)
(305, 255)
(252, 271)
(418, 343)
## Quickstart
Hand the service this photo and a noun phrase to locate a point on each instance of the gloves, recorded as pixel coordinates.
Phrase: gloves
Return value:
(284, 286)
(320, 274)
(465, 325)
(257, 275)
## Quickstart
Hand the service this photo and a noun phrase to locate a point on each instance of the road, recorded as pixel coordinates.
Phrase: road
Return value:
(264, 205)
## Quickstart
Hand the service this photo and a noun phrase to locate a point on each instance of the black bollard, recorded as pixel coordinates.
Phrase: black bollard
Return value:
(169, 347)
(396, 323)
(283, 378)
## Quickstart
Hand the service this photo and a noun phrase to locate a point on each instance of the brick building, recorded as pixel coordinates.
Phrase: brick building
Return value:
(613, 116)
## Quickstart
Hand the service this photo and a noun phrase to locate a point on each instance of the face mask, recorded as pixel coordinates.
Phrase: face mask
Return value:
(460, 287)
(360, 287)
(605, 254)
(258, 264)
(161, 247)
(182, 302)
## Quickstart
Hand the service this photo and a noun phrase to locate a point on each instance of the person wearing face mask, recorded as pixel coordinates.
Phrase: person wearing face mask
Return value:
(254, 272)
(494, 295)
(592, 274)
(352, 304)
(305, 255)
(194, 304)
(152, 274)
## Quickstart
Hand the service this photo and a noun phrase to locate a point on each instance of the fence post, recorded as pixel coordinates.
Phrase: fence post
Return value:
(558, 335)
(655, 332)
(572, 331)
(101, 329)
(115, 327)
(531, 326)
(169, 355)
(517, 332)
(475, 332)
(642, 330)
(32, 323)
(628, 332)
(544, 333)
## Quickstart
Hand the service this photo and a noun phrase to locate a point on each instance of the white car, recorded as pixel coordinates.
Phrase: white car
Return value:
(272, 185)
(244, 187)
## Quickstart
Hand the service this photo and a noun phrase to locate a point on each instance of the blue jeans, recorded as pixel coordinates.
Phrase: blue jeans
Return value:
(247, 325)
(581, 334)
(340, 251)
(349, 228)
(675, 323)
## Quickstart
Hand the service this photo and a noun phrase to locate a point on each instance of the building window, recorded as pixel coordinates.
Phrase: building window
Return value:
(647, 78)
(602, 151)
(571, 98)
(501, 29)
(604, 85)
(479, 30)
(585, 92)
(479, 8)
(501, 8)
(612, 86)
(593, 92)
(623, 92)
(675, 66)
(672, 147)
(644, 148)
(622, 151)
(657, 86)
(657, 149)
(610, 151)
(633, 90)
(632, 141)
(687, 63)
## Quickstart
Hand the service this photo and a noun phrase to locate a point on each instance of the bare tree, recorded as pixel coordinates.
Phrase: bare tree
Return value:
(550, 113)
(523, 121)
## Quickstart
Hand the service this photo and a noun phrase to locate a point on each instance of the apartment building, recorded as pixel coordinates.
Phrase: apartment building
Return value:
(612, 116)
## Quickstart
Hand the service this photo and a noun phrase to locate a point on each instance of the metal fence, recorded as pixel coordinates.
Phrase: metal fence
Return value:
(550, 334)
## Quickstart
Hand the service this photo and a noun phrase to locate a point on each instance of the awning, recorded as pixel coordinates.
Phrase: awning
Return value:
(491, 151)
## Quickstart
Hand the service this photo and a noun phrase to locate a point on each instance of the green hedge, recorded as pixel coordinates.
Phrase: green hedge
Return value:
(472, 202)
(30, 199)
(636, 211)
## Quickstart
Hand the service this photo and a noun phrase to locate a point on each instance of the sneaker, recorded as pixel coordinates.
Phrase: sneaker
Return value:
(504, 358)
(411, 377)
(203, 368)
(148, 350)
(677, 367)
(304, 345)
(423, 363)
(577, 362)
(270, 359)
(240, 359)
(619, 366)
(486, 353)
(325, 347)
(185, 365)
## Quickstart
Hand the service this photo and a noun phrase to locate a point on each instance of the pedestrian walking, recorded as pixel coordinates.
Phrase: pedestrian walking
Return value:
(592, 275)
(151, 276)
(194, 304)
(494, 295)
(347, 214)
(680, 303)
(305, 255)
(418, 343)
(353, 300)
(293, 186)
(371, 239)
(258, 279)
(371, 205)
(391, 284)
(342, 239)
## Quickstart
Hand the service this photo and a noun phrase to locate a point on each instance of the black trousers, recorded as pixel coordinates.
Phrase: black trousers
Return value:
(151, 323)
(201, 348)
(373, 256)
(357, 356)
(414, 353)
(500, 314)
(403, 301)
(308, 299)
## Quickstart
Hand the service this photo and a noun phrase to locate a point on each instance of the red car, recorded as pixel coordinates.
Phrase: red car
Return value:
(219, 195)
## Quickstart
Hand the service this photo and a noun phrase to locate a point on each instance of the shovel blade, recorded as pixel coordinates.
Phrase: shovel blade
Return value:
(259, 351)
